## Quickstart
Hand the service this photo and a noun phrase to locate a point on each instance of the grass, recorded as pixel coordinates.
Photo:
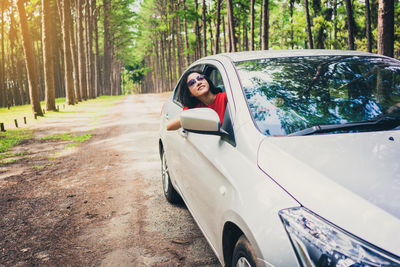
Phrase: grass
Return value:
(91, 110)
(70, 146)
(8, 161)
(69, 137)
(8, 155)
(37, 167)
(11, 138)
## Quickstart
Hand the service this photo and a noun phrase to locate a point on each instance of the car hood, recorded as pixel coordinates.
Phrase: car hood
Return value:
(352, 180)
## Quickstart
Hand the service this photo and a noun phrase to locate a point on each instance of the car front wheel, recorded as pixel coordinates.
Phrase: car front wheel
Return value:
(169, 191)
(244, 254)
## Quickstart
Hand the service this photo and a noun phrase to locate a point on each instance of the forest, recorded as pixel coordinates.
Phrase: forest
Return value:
(82, 49)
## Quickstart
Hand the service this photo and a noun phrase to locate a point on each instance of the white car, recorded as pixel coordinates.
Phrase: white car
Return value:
(305, 168)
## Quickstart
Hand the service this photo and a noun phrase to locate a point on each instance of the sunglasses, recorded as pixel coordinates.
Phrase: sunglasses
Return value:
(192, 82)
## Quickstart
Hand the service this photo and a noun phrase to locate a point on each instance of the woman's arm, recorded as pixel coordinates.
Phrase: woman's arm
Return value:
(175, 124)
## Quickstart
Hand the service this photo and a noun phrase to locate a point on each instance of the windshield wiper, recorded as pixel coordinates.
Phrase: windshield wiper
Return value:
(380, 123)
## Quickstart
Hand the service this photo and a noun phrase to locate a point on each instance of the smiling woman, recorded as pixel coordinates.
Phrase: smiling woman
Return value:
(198, 91)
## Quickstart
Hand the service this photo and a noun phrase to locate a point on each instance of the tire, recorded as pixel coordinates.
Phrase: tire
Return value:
(169, 191)
(244, 254)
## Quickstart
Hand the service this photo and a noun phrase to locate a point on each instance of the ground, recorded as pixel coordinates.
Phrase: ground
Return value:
(95, 203)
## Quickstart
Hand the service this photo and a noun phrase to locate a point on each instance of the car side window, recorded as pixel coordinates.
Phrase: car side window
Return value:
(215, 76)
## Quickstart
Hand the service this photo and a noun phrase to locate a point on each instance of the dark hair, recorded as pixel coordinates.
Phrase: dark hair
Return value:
(185, 97)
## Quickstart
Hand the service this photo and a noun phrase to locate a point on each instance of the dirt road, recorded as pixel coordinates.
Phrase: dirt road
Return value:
(99, 203)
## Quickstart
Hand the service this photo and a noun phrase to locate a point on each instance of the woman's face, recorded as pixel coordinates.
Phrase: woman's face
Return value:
(197, 84)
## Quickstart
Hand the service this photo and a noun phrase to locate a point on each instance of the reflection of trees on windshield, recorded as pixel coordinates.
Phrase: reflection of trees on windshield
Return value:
(289, 94)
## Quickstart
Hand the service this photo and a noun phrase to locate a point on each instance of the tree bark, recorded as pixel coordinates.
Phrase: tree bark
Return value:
(89, 49)
(368, 26)
(48, 56)
(265, 25)
(68, 65)
(204, 28)
(81, 50)
(252, 25)
(386, 28)
(224, 33)
(3, 101)
(291, 2)
(107, 48)
(217, 26)
(29, 60)
(97, 60)
(75, 64)
(179, 41)
(186, 33)
(197, 32)
(231, 28)
(309, 34)
(350, 25)
(335, 24)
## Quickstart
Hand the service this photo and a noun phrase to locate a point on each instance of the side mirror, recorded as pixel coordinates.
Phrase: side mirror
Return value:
(201, 120)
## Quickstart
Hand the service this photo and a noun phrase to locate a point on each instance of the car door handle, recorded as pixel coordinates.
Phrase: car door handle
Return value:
(183, 133)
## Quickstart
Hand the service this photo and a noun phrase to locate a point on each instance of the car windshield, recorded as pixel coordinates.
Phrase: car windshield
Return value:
(322, 94)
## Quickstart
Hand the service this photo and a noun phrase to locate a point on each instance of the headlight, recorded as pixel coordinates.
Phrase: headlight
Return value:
(319, 243)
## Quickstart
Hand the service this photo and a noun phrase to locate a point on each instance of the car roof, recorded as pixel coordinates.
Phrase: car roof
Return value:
(262, 54)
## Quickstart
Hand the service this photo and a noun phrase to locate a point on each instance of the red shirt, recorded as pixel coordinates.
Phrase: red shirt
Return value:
(219, 105)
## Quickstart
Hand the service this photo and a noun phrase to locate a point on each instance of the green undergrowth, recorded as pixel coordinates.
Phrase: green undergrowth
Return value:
(79, 138)
(8, 161)
(11, 138)
(92, 108)
(8, 155)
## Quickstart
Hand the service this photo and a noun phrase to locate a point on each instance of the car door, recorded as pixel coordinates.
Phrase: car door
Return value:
(174, 141)
(206, 182)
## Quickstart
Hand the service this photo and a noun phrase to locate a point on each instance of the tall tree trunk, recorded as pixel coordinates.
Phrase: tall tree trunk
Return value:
(48, 56)
(89, 50)
(107, 48)
(335, 29)
(291, 2)
(252, 25)
(308, 20)
(186, 33)
(97, 56)
(157, 67)
(368, 26)
(57, 47)
(163, 52)
(68, 66)
(350, 25)
(81, 50)
(386, 28)
(3, 102)
(232, 40)
(29, 60)
(265, 25)
(211, 36)
(224, 33)
(75, 64)
(179, 42)
(197, 32)
(217, 26)
(204, 27)
(174, 59)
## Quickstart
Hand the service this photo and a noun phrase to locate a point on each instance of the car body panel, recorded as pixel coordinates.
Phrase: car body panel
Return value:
(333, 187)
